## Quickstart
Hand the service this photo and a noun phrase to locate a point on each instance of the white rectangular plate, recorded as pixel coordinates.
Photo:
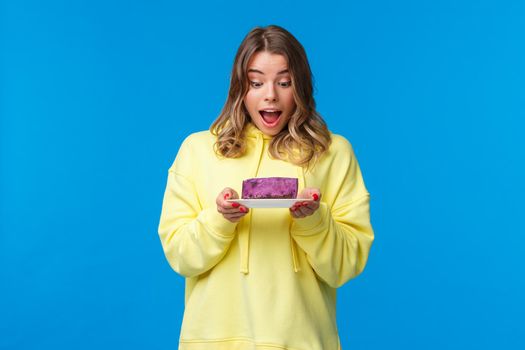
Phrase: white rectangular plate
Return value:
(269, 203)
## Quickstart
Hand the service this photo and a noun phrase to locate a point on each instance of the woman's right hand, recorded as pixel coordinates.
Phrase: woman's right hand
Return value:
(230, 210)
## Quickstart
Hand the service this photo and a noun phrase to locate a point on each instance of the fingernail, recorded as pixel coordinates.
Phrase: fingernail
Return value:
(235, 205)
(242, 209)
(226, 196)
(316, 196)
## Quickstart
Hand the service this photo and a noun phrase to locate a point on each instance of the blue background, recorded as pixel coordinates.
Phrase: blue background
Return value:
(96, 97)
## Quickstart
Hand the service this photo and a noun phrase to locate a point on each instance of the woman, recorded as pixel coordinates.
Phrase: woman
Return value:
(265, 278)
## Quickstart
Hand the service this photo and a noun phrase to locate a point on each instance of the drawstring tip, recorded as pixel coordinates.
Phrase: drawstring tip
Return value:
(295, 260)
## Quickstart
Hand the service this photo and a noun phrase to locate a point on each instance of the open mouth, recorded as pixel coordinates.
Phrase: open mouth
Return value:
(270, 118)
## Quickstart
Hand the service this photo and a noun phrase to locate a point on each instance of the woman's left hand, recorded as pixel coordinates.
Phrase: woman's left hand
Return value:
(307, 208)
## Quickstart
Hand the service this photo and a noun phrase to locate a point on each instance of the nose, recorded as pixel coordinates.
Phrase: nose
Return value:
(271, 94)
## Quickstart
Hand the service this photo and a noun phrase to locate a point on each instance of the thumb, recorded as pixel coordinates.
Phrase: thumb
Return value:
(229, 193)
(312, 193)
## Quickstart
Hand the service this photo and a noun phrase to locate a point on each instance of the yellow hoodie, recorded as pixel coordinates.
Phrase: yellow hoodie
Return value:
(268, 282)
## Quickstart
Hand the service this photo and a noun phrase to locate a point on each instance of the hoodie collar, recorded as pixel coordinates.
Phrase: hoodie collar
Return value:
(251, 130)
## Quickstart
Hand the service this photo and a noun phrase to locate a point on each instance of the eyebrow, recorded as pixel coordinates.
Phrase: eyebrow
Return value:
(258, 71)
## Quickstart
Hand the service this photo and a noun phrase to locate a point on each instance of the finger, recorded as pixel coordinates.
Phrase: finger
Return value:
(232, 219)
(229, 205)
(233, 194)
(227, 193)
(311, 193)
(224, 197)
(299, 204)
(305, 211)
(314, 193)
(236, 209)
(306, 204)
(305, 193)
(299, 215)
(227, 210)
(311, 205)
(296, 213)
(295, 206)
(235, 215)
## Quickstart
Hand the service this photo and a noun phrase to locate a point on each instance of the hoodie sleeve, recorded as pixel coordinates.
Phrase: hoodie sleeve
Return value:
(193, 239)
(337, 237)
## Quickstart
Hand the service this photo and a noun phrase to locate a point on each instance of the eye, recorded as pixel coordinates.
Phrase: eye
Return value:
(255, 84)
(286, 83)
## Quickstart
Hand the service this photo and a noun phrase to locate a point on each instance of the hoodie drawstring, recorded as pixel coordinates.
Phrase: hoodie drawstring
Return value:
(245, 225)
(293, 245)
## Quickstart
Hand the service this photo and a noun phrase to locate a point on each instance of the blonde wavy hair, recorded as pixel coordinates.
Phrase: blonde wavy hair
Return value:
(306, 137)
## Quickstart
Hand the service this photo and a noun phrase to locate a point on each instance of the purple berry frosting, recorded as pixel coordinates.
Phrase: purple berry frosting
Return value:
(269, 187)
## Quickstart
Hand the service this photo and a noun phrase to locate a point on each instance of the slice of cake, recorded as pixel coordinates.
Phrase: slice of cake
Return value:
(269, 187)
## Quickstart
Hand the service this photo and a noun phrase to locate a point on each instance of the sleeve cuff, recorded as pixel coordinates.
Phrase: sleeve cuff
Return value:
(217, 223)
(309, 225)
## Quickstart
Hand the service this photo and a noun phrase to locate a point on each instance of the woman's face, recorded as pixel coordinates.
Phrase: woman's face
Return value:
(269, 99)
